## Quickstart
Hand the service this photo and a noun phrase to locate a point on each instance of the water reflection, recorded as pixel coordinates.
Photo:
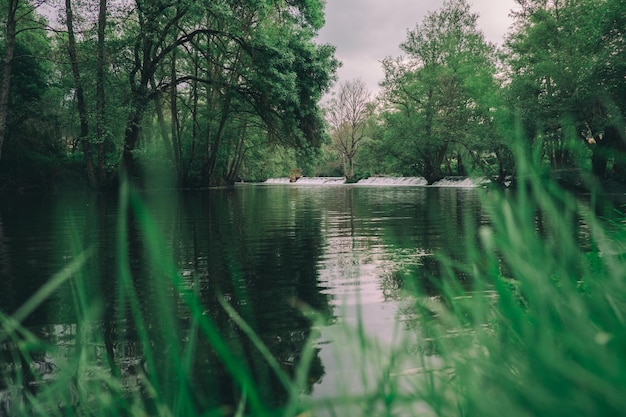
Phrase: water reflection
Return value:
(348, 252)
(380, 243)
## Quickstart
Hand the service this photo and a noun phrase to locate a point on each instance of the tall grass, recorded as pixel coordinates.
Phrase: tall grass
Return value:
(542, 332)
(92, 378)
(538, 329)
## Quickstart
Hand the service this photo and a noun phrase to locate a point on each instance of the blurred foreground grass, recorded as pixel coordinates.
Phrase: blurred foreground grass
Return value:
(538, 329)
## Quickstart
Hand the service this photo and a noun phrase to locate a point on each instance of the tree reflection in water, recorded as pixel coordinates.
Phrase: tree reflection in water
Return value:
(220, 245)
(257, 248)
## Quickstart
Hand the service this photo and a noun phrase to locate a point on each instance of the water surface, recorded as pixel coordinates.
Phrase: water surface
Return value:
(347, 252)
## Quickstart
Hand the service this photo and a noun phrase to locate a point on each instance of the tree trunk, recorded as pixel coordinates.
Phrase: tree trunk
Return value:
(218, 137)
(7, 64)
(195, 98)
(80, 97)
(178, 147)
(461, 171)
(139, 102)
(143, 68)
(348, 168)
(100, 98)
(158, 107)
(234, 164)
(599, 160)
(615, 137)
(432, 168)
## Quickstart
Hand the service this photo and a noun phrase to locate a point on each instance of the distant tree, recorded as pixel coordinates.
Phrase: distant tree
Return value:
(440, 97)
(348, 114)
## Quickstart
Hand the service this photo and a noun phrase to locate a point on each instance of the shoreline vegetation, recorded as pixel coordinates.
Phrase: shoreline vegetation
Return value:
(535, 327)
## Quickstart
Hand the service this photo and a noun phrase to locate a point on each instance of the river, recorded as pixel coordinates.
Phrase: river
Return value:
(275, 252)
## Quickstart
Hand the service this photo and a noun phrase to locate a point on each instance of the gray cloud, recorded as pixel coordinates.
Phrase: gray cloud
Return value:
(367, 31)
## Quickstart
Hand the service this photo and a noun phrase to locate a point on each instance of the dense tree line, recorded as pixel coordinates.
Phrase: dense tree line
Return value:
(199, 92)
(191, 88)
(455, 103)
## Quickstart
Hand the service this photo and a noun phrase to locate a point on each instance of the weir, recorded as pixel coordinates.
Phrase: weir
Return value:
(459, 182)
(309, 181)
(393, 181)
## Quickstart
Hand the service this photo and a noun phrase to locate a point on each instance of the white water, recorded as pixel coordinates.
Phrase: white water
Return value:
(395, 181)
(308, 181)
(461, 182)
(277, 181)
(321, 181)
(458, 182)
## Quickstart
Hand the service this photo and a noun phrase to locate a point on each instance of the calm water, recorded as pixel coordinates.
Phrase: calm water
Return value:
(349, 252)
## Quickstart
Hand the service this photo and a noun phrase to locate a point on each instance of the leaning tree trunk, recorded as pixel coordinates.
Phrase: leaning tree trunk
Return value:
(7, 64)
(80, 97)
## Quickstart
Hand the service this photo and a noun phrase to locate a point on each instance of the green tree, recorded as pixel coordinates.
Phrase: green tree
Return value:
(32, 149)
(19, 20)
(7, 64)
(544, 56)
(95, 92)
(153, 39)
(348, 114)
(80, 97)
(566, 63)
(440, 97)
(240, 64)
(606, 110)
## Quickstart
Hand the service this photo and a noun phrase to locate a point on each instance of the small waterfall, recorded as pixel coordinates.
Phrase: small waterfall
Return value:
(320, 181)
(457, 182)
(308, 181)
(393, 181)
(277, 181)
(461, 182)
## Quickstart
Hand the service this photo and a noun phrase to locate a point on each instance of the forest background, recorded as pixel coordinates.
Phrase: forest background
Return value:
(198, 93)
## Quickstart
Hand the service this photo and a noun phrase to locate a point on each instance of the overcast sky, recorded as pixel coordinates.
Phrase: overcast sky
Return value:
(366, 31)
